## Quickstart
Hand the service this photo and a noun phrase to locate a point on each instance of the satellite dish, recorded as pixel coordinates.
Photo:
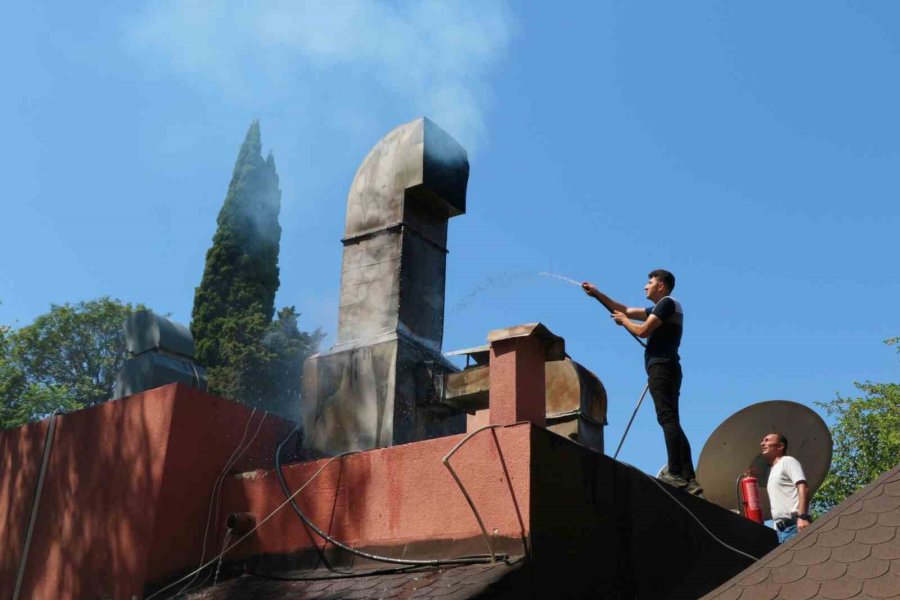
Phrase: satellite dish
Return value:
(733, 449)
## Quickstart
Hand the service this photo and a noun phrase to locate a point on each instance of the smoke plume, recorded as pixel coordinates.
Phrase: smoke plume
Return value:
(434, 56)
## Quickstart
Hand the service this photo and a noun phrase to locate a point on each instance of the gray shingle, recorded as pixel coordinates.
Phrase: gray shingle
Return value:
(446, 583)
(853, 552)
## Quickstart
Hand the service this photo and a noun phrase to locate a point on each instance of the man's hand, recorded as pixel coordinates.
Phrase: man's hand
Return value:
(802, 505)
(591, 290)
(619, 317)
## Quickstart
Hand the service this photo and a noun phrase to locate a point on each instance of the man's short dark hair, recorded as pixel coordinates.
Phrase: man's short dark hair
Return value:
(783, 441)
(665, 277)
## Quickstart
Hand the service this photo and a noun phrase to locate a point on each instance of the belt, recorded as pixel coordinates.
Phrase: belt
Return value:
(782, 524)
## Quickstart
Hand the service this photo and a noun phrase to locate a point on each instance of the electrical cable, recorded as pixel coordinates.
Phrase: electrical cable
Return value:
(287, 493)
(212, 513)
(221, 556)
(441, 562)
(234, 462)
(654, 480)
(446, 462)
(462, 488)
(476, 559)
(196, 374)
(662, 486)
(243, 537)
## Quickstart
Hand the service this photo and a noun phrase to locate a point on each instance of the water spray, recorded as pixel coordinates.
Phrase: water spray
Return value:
(573, 282)
(560, 277)
(636, 338)
(490, 282)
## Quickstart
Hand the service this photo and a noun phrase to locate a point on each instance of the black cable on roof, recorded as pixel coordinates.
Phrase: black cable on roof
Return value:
(662, 486)
(476, 559)
(343, 575)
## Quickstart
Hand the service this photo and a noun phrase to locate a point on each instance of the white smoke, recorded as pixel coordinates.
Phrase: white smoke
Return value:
(435, 57)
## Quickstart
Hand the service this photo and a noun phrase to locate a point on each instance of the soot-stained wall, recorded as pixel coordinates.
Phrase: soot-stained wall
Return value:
(373, 388)
(620, 535)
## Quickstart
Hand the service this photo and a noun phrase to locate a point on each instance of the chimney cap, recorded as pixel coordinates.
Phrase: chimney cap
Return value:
(555, 346)
(479, 354)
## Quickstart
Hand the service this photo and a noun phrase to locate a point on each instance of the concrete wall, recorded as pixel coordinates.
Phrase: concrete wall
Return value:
(126, 493)
(594, 527)
(128, 488)
(616, 533)
(20, 461)
(400, 498)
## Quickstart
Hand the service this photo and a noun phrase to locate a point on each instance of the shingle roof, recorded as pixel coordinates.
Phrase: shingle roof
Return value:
(446, 583)
(852, 552)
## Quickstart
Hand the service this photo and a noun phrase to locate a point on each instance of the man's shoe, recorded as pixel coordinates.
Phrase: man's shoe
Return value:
(693, 487)
(674, 480)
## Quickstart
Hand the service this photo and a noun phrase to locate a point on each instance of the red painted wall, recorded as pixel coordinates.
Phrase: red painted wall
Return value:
(596, 528)
(126, 493)
(205, 431)
(517, 381)
(128, 488)
(20, 461)
(394, 496)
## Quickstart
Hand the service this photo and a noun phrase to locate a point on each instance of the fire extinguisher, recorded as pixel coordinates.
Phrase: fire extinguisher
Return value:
(748, 497)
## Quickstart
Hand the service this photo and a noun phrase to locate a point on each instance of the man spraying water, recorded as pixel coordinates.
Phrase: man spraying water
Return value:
(661, 325)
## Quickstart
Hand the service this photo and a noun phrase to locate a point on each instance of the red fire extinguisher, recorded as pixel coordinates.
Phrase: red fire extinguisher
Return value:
(749, 498)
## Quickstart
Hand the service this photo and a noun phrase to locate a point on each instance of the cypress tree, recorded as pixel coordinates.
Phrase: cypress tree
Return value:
(287, 348)
(235, 302)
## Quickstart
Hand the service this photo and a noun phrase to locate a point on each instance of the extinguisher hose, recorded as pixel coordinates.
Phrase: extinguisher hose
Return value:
(740, 497)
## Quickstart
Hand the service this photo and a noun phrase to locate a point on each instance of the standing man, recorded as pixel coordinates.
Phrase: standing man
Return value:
(788, 492)
(661, 324)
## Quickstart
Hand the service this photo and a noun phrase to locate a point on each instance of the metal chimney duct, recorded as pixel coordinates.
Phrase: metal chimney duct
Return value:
(160, 352)
(374, 387)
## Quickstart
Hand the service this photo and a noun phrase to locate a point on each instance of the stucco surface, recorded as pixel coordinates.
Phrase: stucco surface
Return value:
(395, 496)
(126, 492)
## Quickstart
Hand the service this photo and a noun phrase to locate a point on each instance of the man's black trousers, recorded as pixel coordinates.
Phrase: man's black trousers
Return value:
(664, 379)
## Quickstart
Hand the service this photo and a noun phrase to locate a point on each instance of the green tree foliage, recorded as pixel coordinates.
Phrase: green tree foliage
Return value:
(240, 374)
(866, 434)
(66, 359)
(240, 277)
(263, 362)
(249, 357)
(288, 347)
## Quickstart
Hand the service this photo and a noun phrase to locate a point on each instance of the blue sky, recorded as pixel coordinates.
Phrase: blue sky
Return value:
(750, 148)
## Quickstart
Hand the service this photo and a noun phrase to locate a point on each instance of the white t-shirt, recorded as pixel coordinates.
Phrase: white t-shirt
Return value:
(782, 487)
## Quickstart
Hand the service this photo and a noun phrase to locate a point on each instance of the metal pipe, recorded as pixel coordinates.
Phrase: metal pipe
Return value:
(631, 420)
(240, 522)
(446, 461)
(468, 560)
(35, 504)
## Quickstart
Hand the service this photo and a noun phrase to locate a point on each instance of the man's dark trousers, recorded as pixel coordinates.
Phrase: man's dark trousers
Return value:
(664, 380)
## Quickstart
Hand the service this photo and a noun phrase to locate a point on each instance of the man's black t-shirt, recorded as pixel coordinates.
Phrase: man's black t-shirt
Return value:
(663, 343)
